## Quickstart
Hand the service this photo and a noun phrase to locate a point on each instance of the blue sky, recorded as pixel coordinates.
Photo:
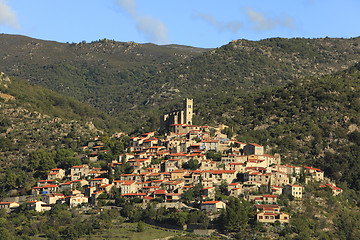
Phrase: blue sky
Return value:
(199, 23)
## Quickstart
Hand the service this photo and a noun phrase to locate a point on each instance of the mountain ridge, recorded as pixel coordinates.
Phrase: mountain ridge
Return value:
(139, 82)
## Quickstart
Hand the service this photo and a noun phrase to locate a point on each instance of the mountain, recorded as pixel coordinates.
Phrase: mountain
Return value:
(313, 121)
(138, 82)
(33, 118)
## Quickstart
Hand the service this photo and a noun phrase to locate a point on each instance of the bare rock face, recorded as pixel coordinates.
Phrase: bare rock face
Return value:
(4, 79)
(353, 127)
(91, 126)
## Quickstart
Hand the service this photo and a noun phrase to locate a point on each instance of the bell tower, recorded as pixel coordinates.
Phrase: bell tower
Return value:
(188, 108)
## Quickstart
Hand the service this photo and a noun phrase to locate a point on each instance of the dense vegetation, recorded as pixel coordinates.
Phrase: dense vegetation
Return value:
(311, 121)
(291, 95)
(136, 82)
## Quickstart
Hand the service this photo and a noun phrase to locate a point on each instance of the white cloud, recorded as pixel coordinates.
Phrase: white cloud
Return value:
(152, 28)
(7, 16)
(262, 23)
(233, 26)
(129, 6)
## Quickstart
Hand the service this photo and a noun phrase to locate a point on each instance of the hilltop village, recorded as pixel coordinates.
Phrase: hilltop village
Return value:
(164, 170)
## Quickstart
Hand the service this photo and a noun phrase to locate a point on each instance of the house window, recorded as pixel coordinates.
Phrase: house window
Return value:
(260, 217)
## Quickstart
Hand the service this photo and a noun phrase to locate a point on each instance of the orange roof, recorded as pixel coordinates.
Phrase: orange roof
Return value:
(331, 186)
(234, 184)
(209, 141)
(222, 171)
(294, 185)
(145, 134)
(255, 144)
(82, 166)
(50, 186)
(97, 179)
(128, 182)
(66, 183)
(134, 194)
(312, 168)
(270, 196)
(210, 202)
(146, 187)
(177, 154)
(160, 192)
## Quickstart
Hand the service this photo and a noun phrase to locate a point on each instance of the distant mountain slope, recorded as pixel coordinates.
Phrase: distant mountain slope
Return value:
(313, 121)
(250, 65)
(138, 82)
(32, 118)
(45, 101)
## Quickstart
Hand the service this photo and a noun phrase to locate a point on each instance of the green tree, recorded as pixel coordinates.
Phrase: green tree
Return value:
(140, 226)
(192, 164)
(236, 215)
(64, 159)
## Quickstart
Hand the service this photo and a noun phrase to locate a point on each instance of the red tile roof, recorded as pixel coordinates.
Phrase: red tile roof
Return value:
(210, 202)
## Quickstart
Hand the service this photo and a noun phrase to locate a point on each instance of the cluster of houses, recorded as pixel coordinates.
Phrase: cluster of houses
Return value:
(158, 173)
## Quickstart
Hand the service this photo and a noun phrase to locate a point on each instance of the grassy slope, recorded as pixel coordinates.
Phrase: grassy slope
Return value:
(129, 231)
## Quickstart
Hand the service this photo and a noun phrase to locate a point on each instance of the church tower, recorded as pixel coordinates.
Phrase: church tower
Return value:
(188, 108)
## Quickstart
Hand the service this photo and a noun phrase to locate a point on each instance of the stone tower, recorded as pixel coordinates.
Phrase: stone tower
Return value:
(188, 108)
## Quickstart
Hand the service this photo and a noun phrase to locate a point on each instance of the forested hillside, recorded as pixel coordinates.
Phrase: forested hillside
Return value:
(270, 91)
(33, 118)
(312, 121)
(297, 97)
(137, 82)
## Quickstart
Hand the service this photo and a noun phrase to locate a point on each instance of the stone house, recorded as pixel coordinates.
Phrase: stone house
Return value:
(74, 201)
(208, 165)
(335, 190)
(9, 206)
(51, 198)
(56, 173)
(208, 145)
(238, 167)
(98, 181)
(209, 192)
(268, 217)
(270, 214)
(38, 206)
(212, 206)
(234, 158)
(315, 173)
(295, 190)
(253, 148)
(50, 188)
(235, 189)
(265, 199)
(128, 187)
(78, 172)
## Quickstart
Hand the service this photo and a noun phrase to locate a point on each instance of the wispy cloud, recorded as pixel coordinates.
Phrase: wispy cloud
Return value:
(7, 16)
(233, 26)
(152, 28)
(261, 22)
